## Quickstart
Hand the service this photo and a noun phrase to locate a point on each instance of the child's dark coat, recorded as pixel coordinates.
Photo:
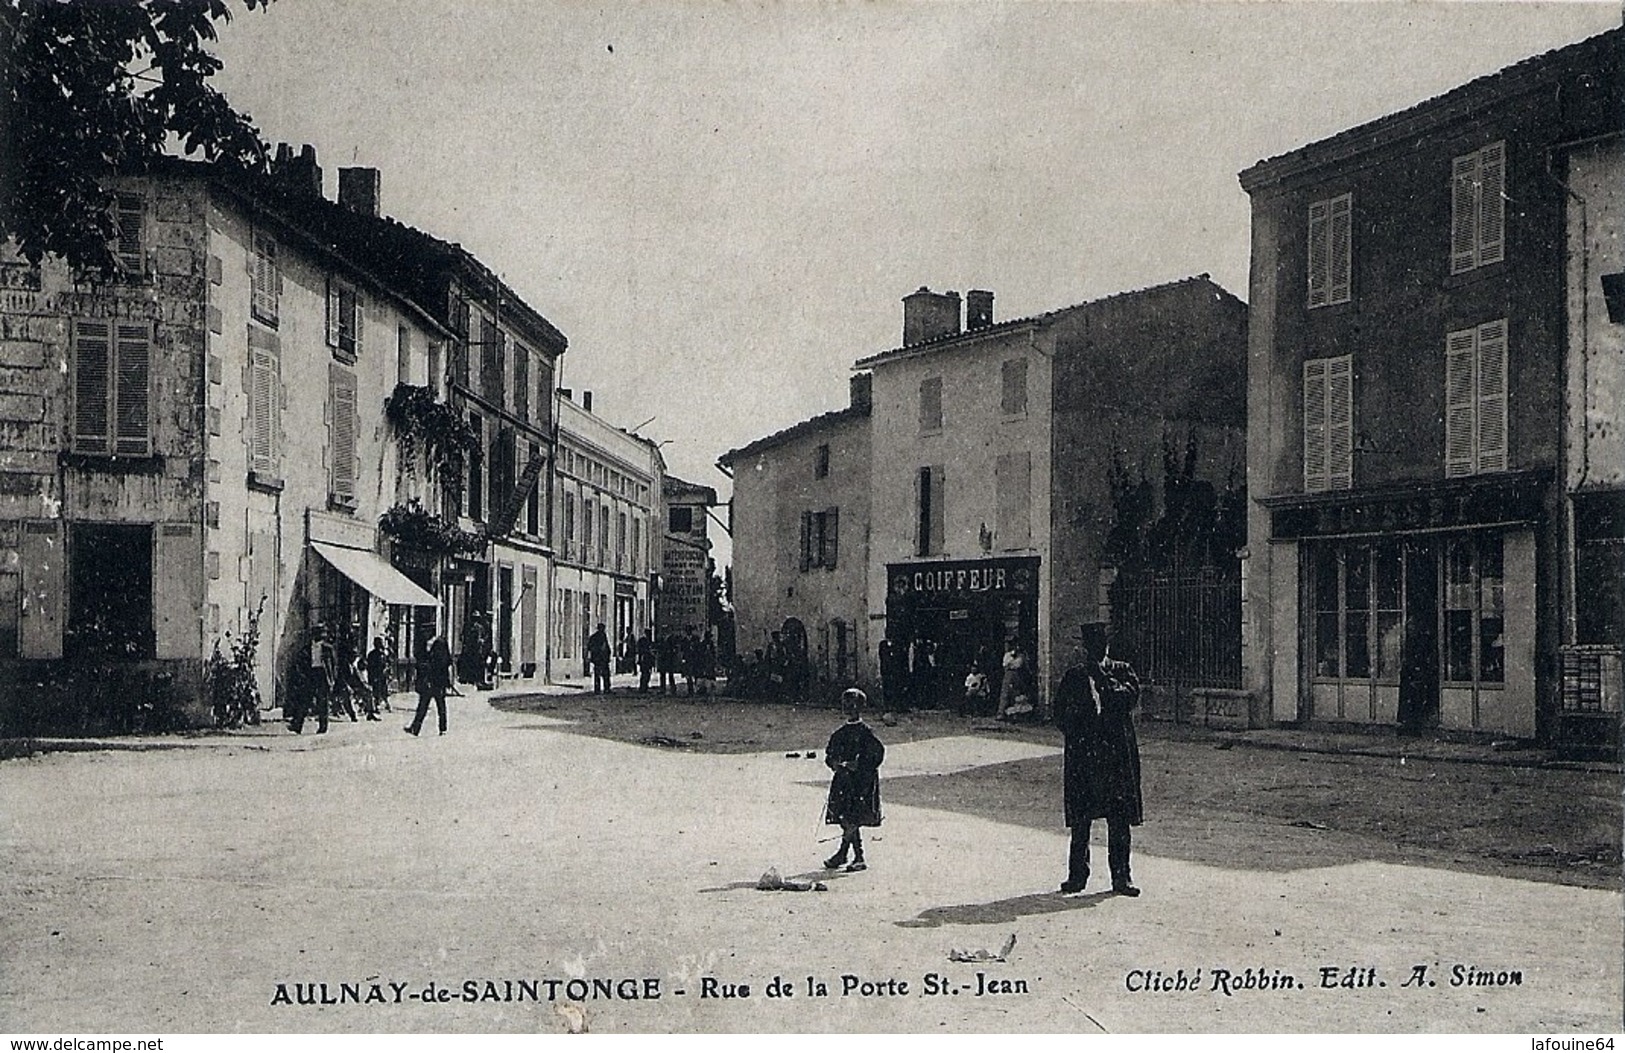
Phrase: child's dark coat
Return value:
(854, 792)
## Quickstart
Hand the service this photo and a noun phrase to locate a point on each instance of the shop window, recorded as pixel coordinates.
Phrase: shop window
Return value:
(1358, 611)
(1474, 611)
(110, 593)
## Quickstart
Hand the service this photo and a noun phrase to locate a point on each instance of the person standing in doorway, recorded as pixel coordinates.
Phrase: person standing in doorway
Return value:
(1094, 707)
(433, 677)
(598, 655)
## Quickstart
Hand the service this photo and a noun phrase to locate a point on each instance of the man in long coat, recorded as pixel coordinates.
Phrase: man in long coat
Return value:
(598, 655)
(1094, 708)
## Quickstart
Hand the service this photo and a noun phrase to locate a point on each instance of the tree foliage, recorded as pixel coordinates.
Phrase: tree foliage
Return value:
(88, 87)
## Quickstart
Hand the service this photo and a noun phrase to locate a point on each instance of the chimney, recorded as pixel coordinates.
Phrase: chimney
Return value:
(586, 401)
(928, 315)
(359, 190)
(301, 175)
(978, 309)
(861, 390)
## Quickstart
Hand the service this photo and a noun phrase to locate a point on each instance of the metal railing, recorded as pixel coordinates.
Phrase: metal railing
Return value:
(1181, 629)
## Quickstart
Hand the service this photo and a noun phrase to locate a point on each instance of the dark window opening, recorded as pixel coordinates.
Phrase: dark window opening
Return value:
(110, 593)
(682, 520)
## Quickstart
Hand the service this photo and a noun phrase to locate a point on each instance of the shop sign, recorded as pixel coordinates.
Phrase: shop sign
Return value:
(969, 578)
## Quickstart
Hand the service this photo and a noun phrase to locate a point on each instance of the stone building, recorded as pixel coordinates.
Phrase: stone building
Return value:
(800, 521)
(606, 504)
(1412, 445)
(204, 440)
(683, 602)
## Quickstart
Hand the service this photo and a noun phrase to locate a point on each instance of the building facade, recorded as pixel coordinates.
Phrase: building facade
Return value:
(606, 507)
(800, 520)
(1408, 446)
(683, 602)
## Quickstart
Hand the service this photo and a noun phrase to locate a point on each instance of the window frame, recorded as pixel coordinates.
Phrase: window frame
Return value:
(345, 320)
(1478, 203)
(265, 280)
(1471, 414)
(1332, 467)
(1013, 407)
(1329, 220)
(931, 423)
(128, 347)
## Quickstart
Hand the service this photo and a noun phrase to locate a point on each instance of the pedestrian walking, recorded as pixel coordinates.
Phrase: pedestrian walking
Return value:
(433, 677)
(598, 655)
(854, 754)
(646, 661)
(344, 681)
(377, 678)
(321, 670)
(706, 674)
(1094, 707)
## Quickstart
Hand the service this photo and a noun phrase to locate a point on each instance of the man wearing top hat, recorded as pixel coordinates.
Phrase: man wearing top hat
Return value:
(1094, 707)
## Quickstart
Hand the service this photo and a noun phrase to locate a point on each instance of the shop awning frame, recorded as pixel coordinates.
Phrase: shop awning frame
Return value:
(372, 573)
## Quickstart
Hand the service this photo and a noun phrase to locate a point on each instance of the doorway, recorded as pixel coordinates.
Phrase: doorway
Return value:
(1419, 661)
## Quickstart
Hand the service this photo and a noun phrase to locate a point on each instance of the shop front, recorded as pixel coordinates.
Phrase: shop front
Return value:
(1417, 609)
(964, 611)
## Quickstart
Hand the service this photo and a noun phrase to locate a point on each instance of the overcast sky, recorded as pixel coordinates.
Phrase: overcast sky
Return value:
(722, 204)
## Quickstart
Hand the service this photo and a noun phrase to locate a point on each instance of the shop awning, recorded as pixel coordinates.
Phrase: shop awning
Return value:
(368, 570)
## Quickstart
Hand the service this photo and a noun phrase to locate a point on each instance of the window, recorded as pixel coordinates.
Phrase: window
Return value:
(1358, 612)
(620, 541)
(436, 365)
(928, 494)
(1478, 208)
(821, 461)
(344, 320)
(403, 355)
(1013, 388)
(343, 425)
(476, 470)
(1330, 230)
(129, 213)
(264, 401)
(112, 365)
(1474, 610)
(681, 519)
(464, 322)
(1012, 483)
(491, 348)
(1328, 423)
(931, 404)
(569, 525)
(1475, 400)
(533, 500)
(266, 280)
(586, 530)
(637, 544)
(521, 382)
(820, 538)
(603, 534)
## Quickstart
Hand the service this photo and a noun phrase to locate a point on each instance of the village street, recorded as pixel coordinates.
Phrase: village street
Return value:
(205, 888)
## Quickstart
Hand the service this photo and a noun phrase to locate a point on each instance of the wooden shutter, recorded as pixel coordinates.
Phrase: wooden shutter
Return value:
(1492, 204)
(1318, 249)
(334, 307)
(357, 319)
(1340, 238)
(521, 381)
(832, 537)
(931, 404)
(177, 591)
(264, 400)
(1013, 393)
(806, 540)
(42, 562)
(130, 210)
(1340, 423)
(1492, 396)
(1459, 399)
(938, 509)
(342, 428)
(1463, 213)
(92, 386)
(1314, 425)
(265, 278)
(132, 400)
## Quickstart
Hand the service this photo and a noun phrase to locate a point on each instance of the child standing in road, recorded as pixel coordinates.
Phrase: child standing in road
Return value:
(854, 754)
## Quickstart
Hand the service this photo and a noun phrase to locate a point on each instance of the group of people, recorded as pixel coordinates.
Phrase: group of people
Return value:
(691, 656)
(338, 679)
(911, 677)
(1094, 708)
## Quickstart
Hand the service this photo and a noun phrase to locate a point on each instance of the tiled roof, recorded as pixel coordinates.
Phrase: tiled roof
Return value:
(1601, 51)
(794, 431)
(968, 335)
(672, 486)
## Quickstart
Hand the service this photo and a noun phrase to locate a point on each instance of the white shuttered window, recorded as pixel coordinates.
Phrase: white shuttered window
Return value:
(343, 427)
(1475, 387)
(1330, 250)
(1328, 423)
(264, 401)
(1478, 208)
